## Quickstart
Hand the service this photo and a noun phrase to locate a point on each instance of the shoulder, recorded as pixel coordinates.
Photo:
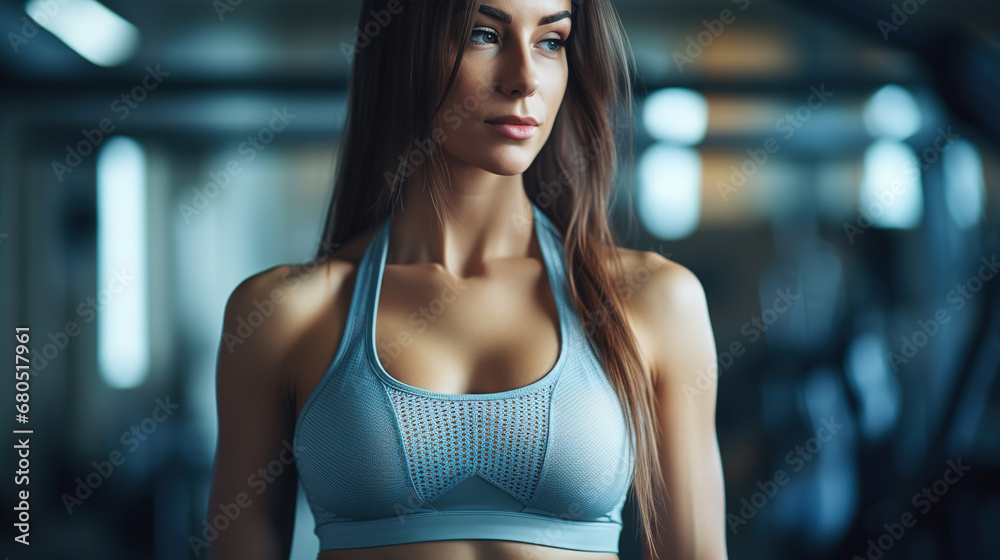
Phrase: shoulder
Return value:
(651, 278)
(666, 305)
(296, 290)
(269, 311)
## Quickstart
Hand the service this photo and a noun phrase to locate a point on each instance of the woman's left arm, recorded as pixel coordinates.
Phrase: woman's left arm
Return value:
(683, 367)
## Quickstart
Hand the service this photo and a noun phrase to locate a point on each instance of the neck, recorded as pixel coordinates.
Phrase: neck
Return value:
(487, 222)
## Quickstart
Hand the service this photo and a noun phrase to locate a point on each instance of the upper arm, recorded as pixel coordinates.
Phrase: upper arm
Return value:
(674, 315)
(255, 424)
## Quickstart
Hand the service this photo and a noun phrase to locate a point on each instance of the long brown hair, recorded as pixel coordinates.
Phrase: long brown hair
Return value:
(571, 179)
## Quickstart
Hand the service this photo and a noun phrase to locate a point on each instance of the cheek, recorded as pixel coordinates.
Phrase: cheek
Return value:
(464, 103)
(555, 94)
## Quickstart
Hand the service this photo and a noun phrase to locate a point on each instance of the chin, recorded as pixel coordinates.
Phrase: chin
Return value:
(506, 163)
(506, 169)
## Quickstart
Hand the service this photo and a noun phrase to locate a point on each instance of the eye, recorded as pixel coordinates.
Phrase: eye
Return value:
(486, 33)
(555, 44)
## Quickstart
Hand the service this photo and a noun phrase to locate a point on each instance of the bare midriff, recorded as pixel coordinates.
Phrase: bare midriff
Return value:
(482, 549)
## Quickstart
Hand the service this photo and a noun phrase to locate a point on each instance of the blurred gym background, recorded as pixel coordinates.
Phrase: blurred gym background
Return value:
(829, 169)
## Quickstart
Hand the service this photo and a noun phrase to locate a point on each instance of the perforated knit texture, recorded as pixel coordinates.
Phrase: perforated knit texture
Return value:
(502, 441)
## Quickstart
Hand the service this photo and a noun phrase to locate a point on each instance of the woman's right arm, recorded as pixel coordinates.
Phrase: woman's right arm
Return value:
(251, 510)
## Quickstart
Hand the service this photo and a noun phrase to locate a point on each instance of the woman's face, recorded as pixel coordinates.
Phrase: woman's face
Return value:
(514, 64)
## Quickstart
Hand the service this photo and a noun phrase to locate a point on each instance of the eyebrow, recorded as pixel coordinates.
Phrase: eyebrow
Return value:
(505, 17)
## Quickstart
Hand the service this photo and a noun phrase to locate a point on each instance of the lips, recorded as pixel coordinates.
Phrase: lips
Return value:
(515, 120)
(515, 126)
(515, 131)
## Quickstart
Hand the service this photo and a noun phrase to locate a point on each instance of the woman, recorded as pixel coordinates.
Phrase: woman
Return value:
(443, 393)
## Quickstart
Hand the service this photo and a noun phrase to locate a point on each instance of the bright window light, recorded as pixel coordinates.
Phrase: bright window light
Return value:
(963, 183)
(892, 112)
(669, 190)
(890, 194)
(88, 27)
(122, 283)
(676, 115)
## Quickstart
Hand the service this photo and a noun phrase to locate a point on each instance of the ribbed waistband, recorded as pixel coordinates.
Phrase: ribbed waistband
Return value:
(591, 536)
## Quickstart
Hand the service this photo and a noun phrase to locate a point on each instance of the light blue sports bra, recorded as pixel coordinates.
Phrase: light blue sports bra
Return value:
(383, 462)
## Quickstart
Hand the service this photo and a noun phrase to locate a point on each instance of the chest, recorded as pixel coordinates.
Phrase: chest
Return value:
(487, 335)
(369, 443)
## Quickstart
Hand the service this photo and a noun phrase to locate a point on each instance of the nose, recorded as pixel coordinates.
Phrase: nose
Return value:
(519, 77)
